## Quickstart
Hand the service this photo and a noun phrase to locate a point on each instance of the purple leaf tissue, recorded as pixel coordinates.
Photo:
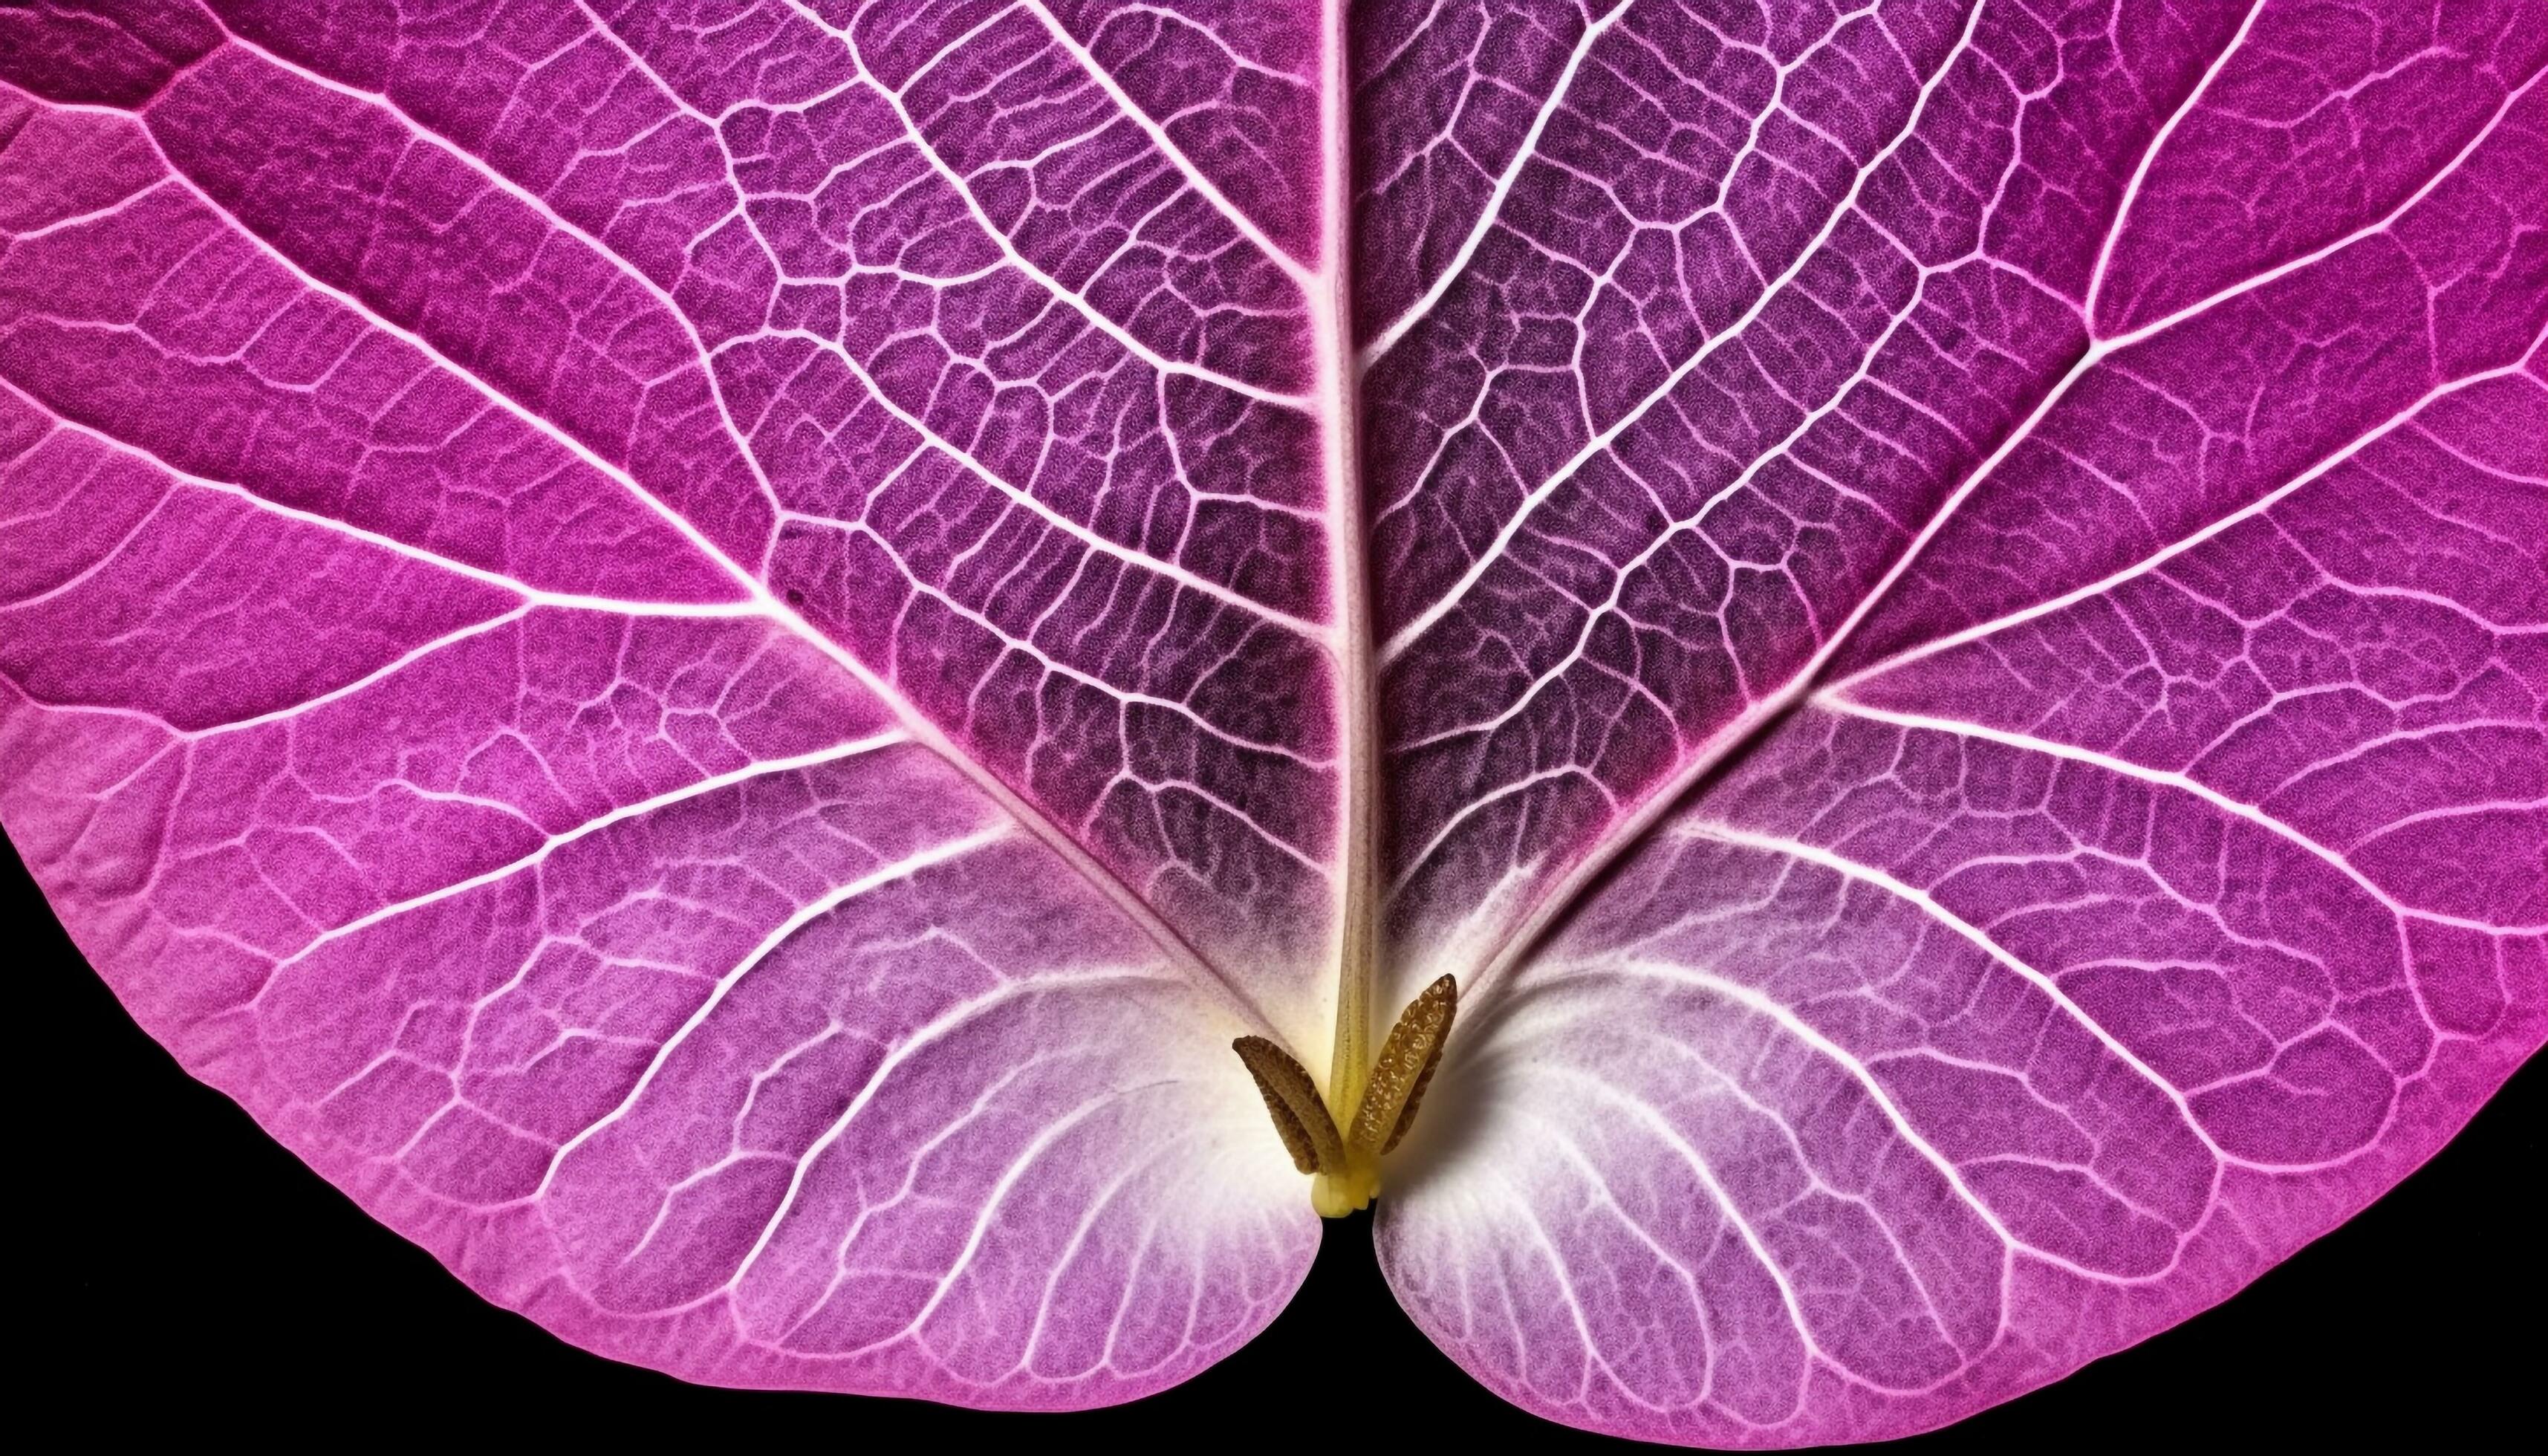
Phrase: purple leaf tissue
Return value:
(859, 696)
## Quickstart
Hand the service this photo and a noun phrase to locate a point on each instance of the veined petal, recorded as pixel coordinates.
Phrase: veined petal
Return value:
(592, 661)
(2033, 989)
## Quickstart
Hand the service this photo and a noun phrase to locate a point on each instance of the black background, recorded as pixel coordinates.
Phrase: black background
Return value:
(187, 1276)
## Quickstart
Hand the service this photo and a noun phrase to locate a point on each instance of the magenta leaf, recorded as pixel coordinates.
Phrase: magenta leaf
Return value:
(713, 650)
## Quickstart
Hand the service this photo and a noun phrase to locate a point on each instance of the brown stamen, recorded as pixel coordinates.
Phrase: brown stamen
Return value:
(1301, 1118)
(1406, 1063)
